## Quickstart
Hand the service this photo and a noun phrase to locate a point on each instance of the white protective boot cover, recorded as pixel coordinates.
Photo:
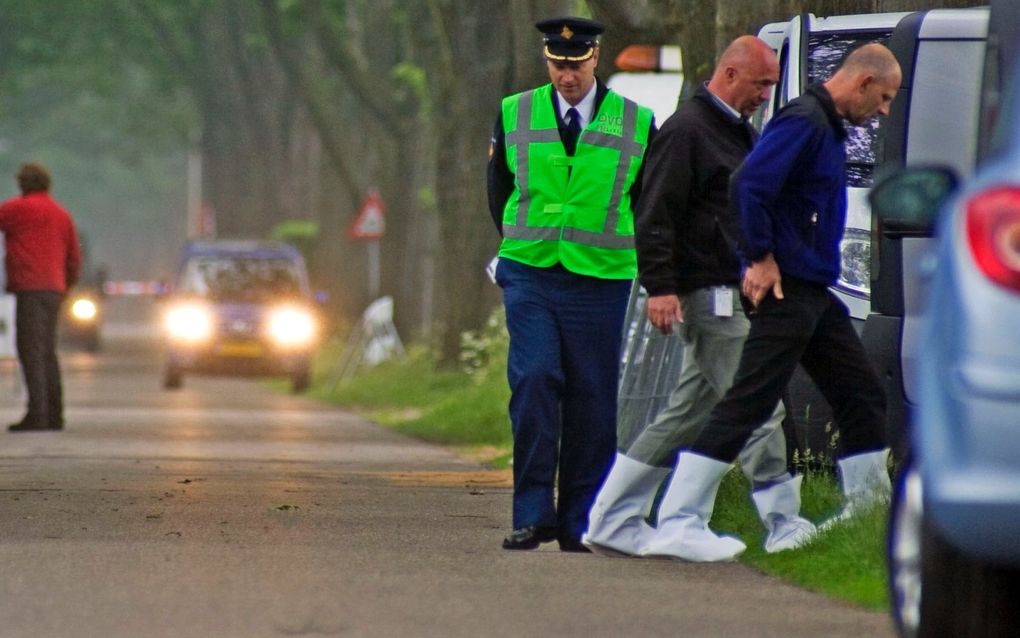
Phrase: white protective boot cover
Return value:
(865, 481)
(684, 513)
(616, 522)
(779, 508)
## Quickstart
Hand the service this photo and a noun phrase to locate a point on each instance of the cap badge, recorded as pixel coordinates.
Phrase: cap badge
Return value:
(566, 33)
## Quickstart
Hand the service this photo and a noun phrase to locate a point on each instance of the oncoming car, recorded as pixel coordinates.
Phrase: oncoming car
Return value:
(240, 308)
(82, 313)
(82, 317)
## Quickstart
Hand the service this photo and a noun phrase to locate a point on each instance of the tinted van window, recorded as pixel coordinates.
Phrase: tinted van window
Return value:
(825, 53)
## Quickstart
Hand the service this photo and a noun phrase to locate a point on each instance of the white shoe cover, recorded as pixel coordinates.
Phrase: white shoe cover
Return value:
(616, 524)
(683, 531)
(865, 481)
(779, 508)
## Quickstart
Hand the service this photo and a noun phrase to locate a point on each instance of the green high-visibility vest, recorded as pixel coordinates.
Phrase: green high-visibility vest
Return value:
(573, 210)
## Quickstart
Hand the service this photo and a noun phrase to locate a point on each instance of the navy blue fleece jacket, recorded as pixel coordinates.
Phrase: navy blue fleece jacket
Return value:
(790, 192)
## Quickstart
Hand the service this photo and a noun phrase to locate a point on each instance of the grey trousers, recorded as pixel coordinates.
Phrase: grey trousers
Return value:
(711, 357)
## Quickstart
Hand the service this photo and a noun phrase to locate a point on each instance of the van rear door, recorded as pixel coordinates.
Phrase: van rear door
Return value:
(934, 122)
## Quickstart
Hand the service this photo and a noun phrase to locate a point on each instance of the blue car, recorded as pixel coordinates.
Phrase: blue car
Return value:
(954, 533)
(240, 308)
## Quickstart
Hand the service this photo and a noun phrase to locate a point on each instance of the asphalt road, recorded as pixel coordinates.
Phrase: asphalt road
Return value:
(225, 509)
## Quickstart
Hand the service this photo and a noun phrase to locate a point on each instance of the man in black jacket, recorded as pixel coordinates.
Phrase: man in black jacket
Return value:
(686, 234)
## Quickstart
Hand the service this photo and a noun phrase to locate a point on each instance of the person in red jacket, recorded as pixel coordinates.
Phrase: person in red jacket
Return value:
(43, 260)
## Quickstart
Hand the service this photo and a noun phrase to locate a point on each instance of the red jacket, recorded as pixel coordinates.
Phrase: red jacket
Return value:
(41, 244)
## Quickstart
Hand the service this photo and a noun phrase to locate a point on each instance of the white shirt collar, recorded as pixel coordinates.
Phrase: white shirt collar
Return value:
(584, 107)
(724, 106)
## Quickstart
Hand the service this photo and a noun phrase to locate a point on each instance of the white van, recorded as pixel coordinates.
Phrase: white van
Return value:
(934, 119)
(650, 75)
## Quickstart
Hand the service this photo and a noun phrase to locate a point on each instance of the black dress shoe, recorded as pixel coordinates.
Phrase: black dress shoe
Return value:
(573, 545)
(26, 426)
(529, 537)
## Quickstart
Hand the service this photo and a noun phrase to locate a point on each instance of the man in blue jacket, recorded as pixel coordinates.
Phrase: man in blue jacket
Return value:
(790, 196)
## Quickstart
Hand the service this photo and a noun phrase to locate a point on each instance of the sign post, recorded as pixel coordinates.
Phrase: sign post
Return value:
(369, 226)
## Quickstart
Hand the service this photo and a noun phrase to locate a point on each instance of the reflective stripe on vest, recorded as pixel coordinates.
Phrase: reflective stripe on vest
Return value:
(524, 135)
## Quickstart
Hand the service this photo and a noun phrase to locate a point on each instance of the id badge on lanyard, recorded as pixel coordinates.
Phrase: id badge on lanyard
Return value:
(722, 301)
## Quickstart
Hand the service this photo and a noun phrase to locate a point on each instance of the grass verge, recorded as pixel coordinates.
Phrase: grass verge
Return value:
(469, 413)
(845, 562)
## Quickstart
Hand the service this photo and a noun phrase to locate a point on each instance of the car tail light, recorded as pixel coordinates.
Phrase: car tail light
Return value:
(993, 232)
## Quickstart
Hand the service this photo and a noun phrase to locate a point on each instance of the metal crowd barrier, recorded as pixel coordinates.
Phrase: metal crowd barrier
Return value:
(650, 369)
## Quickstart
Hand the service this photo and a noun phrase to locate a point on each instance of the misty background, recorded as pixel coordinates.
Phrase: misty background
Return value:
(287, 113)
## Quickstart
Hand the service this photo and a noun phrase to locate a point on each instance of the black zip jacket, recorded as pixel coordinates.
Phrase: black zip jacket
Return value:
(685, 229)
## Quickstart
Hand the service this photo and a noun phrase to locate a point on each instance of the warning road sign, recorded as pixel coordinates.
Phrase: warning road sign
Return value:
(371, 221)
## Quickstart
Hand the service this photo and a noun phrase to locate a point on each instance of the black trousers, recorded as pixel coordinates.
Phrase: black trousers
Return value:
(36, 337)
(810, 326)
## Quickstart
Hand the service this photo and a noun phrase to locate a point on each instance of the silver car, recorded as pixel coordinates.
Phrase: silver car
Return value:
(954, 534)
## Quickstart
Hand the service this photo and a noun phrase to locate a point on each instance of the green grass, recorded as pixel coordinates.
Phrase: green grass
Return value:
(469, 413)
(846, 562)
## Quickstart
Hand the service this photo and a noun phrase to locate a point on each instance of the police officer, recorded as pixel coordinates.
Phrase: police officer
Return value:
(564, 175)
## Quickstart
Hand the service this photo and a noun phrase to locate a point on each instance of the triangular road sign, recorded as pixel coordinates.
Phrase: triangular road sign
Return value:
(371, 220)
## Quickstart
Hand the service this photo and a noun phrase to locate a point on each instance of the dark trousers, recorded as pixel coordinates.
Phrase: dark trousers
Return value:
(564, 366)
(810, 326)
(36, 317)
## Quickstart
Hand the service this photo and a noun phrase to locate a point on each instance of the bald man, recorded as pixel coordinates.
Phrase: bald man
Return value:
(686, 238)
(790, 196)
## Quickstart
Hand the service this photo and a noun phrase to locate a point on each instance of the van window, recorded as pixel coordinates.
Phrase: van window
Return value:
(826, 52)
(944, 106)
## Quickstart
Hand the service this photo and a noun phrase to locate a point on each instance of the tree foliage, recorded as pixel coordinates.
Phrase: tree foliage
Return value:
(299, 107)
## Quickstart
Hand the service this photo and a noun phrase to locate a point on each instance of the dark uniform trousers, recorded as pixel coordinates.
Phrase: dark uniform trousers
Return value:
(564, 363)
(810, 326)
(36, 316)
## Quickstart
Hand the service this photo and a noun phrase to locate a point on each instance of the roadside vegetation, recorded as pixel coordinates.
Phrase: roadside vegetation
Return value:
(466, 409)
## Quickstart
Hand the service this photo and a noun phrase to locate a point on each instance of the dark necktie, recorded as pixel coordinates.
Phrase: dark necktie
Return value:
(573, 130)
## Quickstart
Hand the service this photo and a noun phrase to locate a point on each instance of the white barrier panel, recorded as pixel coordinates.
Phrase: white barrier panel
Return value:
(373, 340)
(7, 347)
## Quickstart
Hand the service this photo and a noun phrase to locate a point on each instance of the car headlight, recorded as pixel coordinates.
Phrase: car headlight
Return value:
(84, 310)
(291, 326)
(855, 262)
(190, 323)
